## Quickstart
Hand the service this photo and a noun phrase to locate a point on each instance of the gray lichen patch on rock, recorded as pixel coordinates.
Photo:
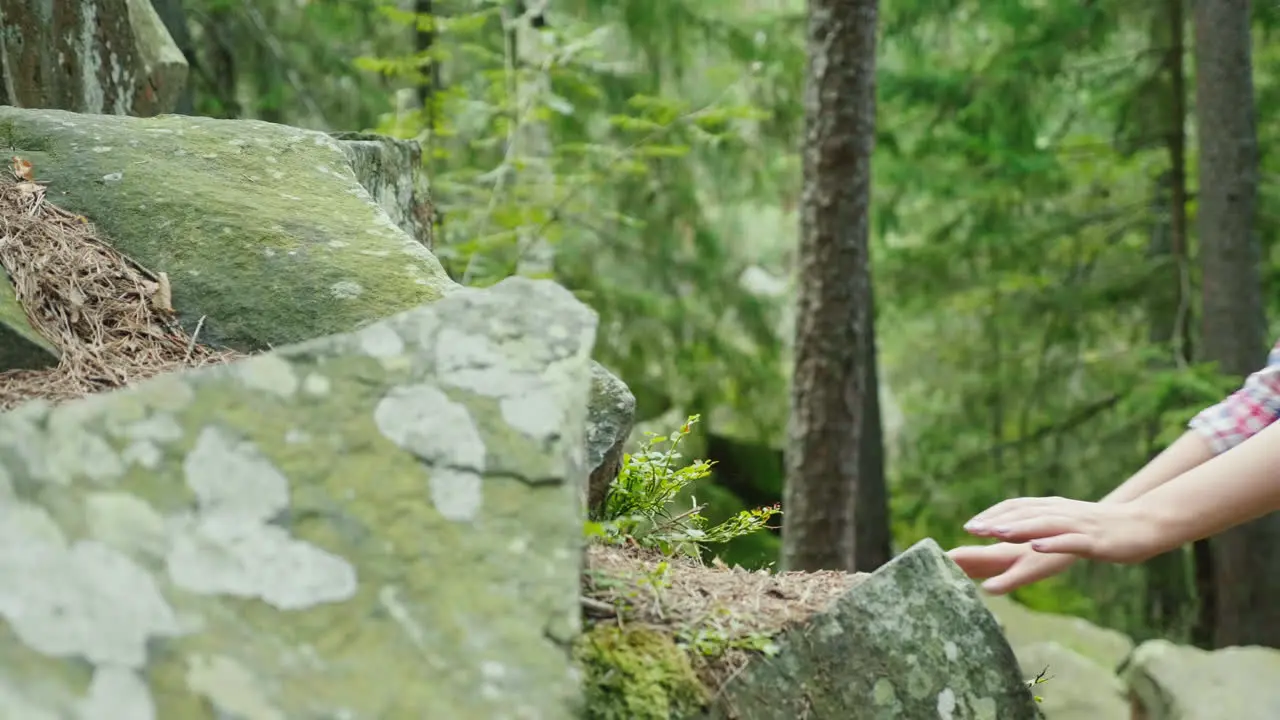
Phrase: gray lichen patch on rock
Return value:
(423, 421)
(119, 694)
(226, 545)
(255, 224)
(290, 551)
(76, 599)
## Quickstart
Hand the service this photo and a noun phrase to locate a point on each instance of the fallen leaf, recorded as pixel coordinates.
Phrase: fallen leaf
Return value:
(22, 169)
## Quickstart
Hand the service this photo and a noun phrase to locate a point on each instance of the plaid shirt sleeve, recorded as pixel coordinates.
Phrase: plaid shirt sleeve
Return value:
(1246, 411)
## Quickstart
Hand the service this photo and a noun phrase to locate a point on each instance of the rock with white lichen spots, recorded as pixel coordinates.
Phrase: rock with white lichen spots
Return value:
(93, 56)
(913, 640)
(380, 524)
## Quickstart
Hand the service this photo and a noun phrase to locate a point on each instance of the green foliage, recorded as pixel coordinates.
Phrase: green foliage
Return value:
(648, 148)
(722, 631)
(639, 504)
(1028, 298)
(636, 674)
(580, 142)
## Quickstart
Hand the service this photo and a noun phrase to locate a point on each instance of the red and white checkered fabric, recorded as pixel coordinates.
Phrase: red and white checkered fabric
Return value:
(1246, 411)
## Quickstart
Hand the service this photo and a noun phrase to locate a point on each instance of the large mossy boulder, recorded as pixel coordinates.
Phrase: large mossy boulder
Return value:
(1178, 682)
(264, 230)
(382, 524)
(911, 640)
(92, 56)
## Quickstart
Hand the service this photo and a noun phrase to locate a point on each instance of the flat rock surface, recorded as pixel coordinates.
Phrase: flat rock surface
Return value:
(382, 524)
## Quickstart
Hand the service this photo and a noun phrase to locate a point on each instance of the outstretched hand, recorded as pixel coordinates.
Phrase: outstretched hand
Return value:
(1113, 532)
(1007, 566)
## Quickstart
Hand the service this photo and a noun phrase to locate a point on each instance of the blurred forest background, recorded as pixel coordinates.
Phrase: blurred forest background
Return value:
(1037, 296)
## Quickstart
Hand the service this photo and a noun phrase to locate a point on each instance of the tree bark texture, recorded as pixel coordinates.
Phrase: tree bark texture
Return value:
(833, 337)
(1246, 569)
(873, 529)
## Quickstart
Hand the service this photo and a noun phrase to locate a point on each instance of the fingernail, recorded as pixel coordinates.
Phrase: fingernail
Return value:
(972, 526)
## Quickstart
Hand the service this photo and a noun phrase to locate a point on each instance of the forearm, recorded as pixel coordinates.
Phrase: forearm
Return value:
(1188, 452)
(1228, 490)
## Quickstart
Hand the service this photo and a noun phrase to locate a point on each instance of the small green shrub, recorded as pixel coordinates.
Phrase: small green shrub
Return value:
(640, 503)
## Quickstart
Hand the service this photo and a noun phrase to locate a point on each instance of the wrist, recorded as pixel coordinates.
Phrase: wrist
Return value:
(1168, 526)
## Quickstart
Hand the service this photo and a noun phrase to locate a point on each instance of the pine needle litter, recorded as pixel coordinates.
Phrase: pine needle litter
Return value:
(112, 319)
(722, 614)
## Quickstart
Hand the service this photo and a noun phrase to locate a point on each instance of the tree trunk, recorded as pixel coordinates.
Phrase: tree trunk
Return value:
(832, 331)
(1168, 600)
(873, 534)
(424, 42)
(1246, 573)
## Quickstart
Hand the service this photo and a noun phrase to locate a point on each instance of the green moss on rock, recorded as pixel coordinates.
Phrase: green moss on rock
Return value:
(264, 230)
(21, 347)
(637, 674)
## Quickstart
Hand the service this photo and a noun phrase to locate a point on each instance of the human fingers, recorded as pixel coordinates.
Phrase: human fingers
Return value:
(1042, 526)
(1077, 544)
(1003, 508)
(1030, 568)
(984, 561)
(994, 524)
